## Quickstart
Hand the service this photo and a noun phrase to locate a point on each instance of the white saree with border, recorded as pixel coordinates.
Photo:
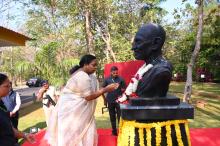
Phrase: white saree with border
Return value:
(72, 122)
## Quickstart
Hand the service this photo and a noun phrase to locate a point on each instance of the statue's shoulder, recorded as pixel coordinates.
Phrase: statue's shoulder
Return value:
(160, 70)
(163, 66)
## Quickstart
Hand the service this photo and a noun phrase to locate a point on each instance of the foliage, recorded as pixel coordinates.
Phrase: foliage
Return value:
(48, 67)
(182, 41)
(209, 55)
(58, 32)
(16, 62)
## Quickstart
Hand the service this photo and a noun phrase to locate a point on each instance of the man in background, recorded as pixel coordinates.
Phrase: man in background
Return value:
(48, 96)
(111, 97)
(13, 102)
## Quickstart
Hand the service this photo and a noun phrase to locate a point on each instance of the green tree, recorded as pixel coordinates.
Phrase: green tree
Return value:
(195, 54)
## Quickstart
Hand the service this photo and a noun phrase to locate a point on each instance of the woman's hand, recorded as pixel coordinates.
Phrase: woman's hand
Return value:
(30, 138)
(12, 114)
(42, 90)
(111, 87)
(100, 92)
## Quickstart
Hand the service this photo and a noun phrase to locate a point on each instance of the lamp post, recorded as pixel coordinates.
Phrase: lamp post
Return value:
(202, 76)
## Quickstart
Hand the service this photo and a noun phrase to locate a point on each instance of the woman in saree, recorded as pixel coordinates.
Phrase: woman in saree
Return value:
(72, 122)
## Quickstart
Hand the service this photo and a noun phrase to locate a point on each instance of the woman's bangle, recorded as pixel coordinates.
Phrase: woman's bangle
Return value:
(25, 135)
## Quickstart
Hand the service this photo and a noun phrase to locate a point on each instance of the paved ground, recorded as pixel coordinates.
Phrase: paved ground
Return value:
(28, 95)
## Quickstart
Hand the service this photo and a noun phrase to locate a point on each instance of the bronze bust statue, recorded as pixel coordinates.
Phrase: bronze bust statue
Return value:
(153, 78)
(147, 46)
(153, 118)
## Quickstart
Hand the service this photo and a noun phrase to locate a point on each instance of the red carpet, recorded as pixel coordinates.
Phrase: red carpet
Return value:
(205, 137)
(199, 137)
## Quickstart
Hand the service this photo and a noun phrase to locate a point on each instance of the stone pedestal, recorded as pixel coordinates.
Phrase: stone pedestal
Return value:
(159, 121)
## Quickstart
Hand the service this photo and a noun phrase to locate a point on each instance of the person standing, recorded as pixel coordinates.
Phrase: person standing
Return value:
(72, 122)
(111, 97)
(13, 102)
(48, 96)
(7, 132)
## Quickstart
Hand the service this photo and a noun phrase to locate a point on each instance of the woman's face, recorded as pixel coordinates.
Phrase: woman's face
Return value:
(5, 87)
(91, 67)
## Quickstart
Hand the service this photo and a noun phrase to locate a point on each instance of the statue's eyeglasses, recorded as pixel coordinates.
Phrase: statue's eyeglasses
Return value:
(139, 42)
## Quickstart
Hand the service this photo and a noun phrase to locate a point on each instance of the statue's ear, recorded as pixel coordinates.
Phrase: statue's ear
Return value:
(156, 42)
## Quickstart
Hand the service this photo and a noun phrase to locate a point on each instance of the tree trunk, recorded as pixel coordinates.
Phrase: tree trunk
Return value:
(109, 47)
(89, 35)
(107, 39)
(107, 55)
(112, 53)
(188, 86)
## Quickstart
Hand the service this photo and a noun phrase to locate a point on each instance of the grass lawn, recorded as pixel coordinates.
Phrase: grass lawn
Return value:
(33, 115)
(206, 87)
(208, 116)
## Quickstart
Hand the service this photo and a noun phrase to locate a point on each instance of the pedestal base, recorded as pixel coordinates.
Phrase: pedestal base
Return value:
(167, 133)
(155, 101)
(181, 111)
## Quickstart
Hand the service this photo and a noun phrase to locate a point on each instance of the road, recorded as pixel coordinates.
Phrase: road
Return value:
(28, 95)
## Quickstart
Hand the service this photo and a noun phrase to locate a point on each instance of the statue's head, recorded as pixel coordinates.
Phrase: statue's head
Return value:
(148, 41)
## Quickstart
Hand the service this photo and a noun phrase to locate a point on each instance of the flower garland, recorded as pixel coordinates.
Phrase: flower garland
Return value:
(148, 136)
(126, 131)
(141, 136)
(120, 130)
(168, 135)
(127, 134)
(187, 134)
(158, 135)
(178, 134)
(132, 86)
(132, 135)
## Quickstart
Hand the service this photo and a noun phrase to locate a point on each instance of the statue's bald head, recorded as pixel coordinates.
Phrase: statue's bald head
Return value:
(148, 41)
(150, 31)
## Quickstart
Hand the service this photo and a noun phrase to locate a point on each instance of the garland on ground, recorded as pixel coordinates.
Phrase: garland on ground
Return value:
(127, 132)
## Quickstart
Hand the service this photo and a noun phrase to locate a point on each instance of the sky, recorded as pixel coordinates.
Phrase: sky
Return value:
(15, 13)
(16, 23)
(170, 5)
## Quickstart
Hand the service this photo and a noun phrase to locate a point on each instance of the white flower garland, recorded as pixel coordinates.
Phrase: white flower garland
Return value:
(132, 86)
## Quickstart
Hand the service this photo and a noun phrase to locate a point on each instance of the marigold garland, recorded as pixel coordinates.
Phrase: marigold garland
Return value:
(187, 134)
(168, 135)
(132, 135)
(127, 132)
(141, 136)
(158, 135)
(178, 134)
(148, 136)
(120, 131)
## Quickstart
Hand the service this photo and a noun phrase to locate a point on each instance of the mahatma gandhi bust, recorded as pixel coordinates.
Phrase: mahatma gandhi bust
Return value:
(149, 116)
(147, 46)
(153, 78)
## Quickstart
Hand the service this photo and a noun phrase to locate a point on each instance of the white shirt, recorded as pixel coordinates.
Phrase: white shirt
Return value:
(51, 92)
(7, 103)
